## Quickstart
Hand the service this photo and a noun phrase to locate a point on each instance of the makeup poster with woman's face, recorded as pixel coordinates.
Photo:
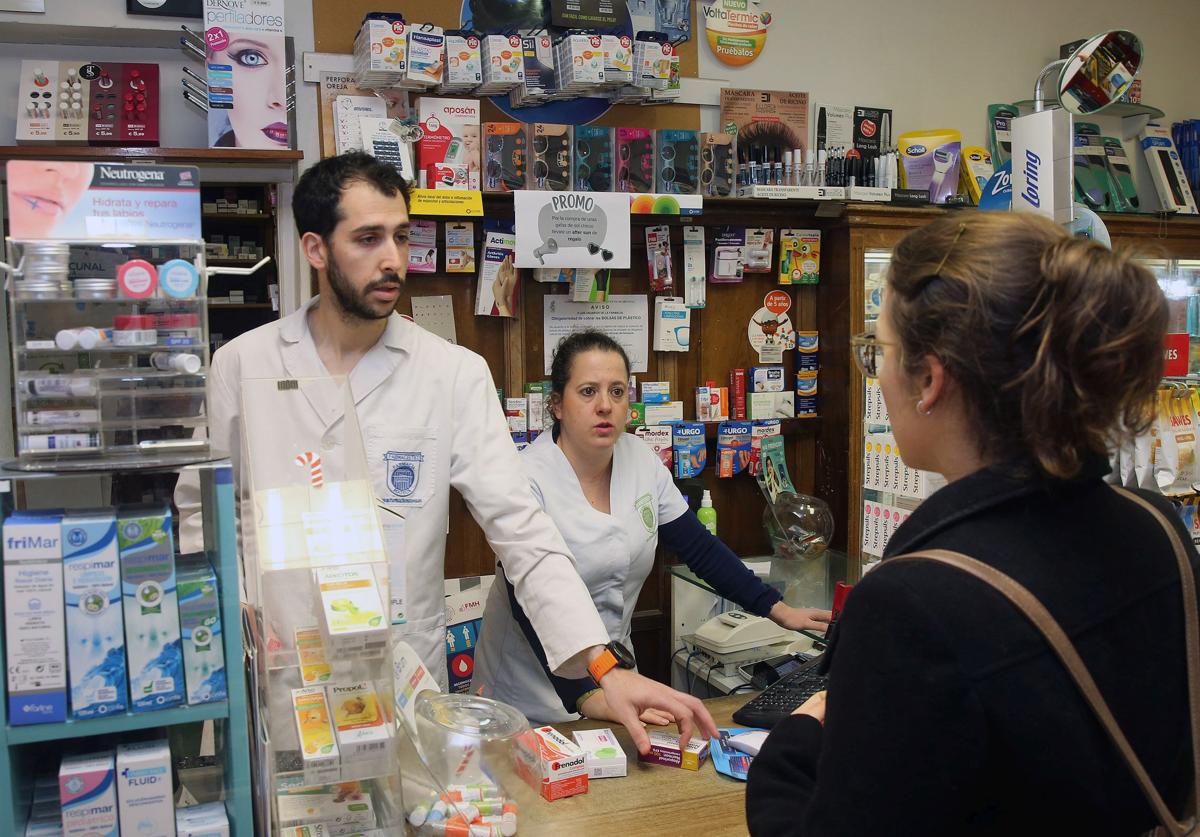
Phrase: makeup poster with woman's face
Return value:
(247, 74)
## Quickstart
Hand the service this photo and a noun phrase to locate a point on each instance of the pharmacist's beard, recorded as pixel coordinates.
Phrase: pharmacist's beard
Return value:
(355, 304)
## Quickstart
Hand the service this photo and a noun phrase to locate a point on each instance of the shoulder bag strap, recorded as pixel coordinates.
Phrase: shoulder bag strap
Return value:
(1033, 609)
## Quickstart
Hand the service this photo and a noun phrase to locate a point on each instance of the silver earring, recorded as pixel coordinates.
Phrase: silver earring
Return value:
(921, 409)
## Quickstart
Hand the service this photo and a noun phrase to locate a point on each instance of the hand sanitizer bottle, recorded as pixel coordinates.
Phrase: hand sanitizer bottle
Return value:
(707, 514)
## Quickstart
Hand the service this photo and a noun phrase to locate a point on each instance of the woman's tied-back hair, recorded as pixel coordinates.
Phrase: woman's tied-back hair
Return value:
(1055, 341)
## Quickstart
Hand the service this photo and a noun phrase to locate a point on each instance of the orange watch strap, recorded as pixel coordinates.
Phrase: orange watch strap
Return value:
(602, 665)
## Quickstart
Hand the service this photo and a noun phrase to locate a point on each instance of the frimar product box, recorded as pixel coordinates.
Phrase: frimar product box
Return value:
(95, 629)
(145, 799)
(318, 747)
(152, 644)
(665, 749)
(200, 630)
(351, 607)
(564, 765)
(88, 790)
(34, 630)
(358, 718)
(207, 820)
(603, 754)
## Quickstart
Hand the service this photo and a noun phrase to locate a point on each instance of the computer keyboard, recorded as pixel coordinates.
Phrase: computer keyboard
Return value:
(782, 696)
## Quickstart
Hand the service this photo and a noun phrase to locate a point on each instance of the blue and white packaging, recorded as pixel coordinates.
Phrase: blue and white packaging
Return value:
(95, 629)
(656, 392)
(733, 447)
(689, 448)
(208, 820)
(145, 799)
(767, 379)
(155, 657)
(200, 630)
(34, 632)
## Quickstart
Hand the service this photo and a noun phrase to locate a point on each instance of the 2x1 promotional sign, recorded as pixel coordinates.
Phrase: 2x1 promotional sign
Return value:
(572, 229)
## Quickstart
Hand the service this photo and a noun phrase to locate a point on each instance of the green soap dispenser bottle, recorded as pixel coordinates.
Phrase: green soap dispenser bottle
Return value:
(707, 514)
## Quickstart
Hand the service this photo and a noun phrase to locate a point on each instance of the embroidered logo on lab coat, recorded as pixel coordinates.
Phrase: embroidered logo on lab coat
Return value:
(645, 508)
(403, 472)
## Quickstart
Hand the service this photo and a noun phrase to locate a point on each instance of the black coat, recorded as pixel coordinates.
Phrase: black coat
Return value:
(948, 713)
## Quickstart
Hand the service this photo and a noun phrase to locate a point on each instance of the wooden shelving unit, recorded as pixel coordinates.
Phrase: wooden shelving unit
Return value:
(224, 156)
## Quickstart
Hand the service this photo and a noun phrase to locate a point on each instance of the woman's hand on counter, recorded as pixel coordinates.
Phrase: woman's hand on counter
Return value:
(799, 618)
(814, 706)
(628, 695)
(596, 707)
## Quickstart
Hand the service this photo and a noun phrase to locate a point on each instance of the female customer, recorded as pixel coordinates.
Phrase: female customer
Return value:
(1010, 356)
(612, 499)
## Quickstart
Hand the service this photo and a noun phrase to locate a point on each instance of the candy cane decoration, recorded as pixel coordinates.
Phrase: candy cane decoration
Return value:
(313, 462)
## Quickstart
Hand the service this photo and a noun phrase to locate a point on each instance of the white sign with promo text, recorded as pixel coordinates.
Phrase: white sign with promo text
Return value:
(572, 229)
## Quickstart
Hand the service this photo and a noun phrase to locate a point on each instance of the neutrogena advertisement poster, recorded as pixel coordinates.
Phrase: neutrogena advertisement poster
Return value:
(247, 65)
(57, 199)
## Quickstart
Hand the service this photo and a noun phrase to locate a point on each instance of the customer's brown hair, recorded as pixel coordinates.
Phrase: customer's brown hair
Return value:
(1055, 341)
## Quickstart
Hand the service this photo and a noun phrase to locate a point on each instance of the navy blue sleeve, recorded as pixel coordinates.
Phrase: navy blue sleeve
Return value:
(714, 562)
(569, 691)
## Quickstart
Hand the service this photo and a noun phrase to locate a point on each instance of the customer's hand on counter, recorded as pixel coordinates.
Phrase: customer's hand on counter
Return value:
(595, 706)
(800, 618)
(629, 694)
(814, 706)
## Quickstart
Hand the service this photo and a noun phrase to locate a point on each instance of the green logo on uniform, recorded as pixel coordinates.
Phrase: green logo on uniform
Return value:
(645, 507)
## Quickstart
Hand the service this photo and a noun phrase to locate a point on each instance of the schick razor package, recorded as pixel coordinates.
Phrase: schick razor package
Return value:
(1120, 172)
(151, 607)
(689, 448)
(733, 448)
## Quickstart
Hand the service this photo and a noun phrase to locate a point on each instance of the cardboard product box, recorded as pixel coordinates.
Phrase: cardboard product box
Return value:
(145, 798)
(88, 789)
(564, 765)
(352, 615)
(450, 141)
(318, 746)
(604, 757)
(200, 628)
(207, 820)
(664, 749)
(659, 439)
(325, 805)
(667, 413)
(358, 718)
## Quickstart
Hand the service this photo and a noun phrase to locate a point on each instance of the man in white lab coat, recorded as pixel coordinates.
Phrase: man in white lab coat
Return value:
(424, 402)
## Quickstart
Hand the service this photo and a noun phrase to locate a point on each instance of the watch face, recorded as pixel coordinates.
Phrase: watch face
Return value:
(624, 655)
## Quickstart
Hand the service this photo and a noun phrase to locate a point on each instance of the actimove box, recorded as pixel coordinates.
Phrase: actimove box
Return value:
(95, 629)
(34, 632)
(604, 757)
(664, 749)
(564, 765)
(87, 788)
(200, 630)
(152, 644)
(146, 803)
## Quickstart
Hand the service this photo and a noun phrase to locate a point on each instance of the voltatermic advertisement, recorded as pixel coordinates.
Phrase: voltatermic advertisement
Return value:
(247, 65)
(51, 199)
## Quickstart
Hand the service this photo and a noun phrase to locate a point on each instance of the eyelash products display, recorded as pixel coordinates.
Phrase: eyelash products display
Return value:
(551, 165)
(677, 169)
(635, 160)
(593, 159)
(505, 166)
(717, 164)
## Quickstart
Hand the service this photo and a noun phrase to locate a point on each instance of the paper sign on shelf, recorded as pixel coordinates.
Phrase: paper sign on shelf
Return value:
(572, 229)
(623, 317)
(455, 203)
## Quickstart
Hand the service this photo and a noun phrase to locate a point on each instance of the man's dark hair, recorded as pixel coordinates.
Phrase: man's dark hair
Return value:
(316, 203)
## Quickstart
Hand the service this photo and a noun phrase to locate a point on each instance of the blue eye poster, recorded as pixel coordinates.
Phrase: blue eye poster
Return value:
(246, 60)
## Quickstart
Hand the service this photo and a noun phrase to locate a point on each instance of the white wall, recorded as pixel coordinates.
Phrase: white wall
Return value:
(938, 64)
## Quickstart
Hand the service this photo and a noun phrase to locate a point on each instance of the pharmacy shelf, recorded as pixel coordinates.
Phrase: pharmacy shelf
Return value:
(126, 722)
(795, 426)
(223, 156)
(231, 216)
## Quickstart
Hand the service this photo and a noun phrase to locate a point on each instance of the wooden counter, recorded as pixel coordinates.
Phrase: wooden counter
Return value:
(651, 799)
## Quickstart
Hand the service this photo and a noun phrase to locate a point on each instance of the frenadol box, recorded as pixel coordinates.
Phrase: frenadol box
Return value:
(207, 820)
(200, 630)
(151, 607)
(34, 632)
(95, 629)
(604, 757)
(664, 749)
(352, 617)
(87, 787)
(564, 765)
(146, 802)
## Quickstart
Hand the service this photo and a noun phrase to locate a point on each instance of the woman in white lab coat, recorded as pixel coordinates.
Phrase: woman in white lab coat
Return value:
(611, 498)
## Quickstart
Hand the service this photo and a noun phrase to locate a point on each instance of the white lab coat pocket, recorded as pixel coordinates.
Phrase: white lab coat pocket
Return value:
(404, 461)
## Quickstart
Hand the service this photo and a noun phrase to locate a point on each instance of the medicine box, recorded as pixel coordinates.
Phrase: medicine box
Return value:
(34, 631)
(313, 727)
(95, 629)
(602, 752)
(352, 617)
(358, 718)
(667, 413)
(564, 765)
(766, 405)
(767, 379)
(88, 789)
(314, 667)
(146, 802)
(656, 392)
(200, 630)
(664, 749)
(1166, 170)
(155, 657)
(207, 820)
(323, 805)
(44, 827)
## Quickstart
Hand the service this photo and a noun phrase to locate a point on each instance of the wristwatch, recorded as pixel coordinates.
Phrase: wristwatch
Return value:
(614, 655)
